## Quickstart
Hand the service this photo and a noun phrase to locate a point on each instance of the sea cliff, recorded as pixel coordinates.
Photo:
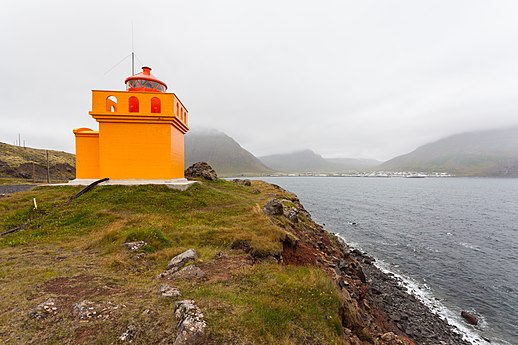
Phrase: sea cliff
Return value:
(111, 267)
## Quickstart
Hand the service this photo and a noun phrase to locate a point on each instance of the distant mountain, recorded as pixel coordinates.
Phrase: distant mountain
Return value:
(29, 163)
(309, 161)
(485, 153)
(222, 152)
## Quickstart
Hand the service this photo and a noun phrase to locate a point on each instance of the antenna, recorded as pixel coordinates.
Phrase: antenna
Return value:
(132, 52)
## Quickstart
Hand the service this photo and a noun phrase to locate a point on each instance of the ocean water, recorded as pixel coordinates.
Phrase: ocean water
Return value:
(453, 240)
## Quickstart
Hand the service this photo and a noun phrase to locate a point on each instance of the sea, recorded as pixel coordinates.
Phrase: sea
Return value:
(453, 241)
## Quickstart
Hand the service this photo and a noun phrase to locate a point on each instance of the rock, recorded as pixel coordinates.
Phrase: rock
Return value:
(133, 246)
(129, 334)
(292, 214)
(44, 309)
(390, 339)
(273, 208)
(189, 272)
(201, 169)
(369, 260)
(169, 291)
(86, 310)
(190, 328)
(242, 182)
(181, 259)
(470, 318)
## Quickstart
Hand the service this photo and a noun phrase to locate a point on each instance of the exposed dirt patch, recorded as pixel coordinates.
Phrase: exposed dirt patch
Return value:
(86, 334)
(79, 287)
(301, 254)
(225, 265)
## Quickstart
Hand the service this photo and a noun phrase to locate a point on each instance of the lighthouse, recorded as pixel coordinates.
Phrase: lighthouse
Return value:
(140, 137)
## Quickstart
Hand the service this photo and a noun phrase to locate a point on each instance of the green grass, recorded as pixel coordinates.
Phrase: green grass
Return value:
(272, 303)
(263, 303)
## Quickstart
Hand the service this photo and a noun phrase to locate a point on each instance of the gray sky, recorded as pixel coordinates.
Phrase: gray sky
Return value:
(370, 79)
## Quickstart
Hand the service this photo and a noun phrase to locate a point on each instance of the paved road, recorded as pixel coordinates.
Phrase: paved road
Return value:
(9, 189)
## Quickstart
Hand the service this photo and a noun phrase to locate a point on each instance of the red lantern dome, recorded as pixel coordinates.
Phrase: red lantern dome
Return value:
(145, 81)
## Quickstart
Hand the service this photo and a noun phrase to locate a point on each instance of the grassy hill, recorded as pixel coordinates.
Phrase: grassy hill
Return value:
(23, 162)
(73, 258)
(485, 153)
(223, 153)
(309, 161)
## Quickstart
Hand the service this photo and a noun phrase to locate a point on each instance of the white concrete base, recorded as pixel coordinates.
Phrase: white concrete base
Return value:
(177, 183)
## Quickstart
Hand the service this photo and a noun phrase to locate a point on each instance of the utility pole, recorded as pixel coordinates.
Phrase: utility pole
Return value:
(19, 139)
(48, 167)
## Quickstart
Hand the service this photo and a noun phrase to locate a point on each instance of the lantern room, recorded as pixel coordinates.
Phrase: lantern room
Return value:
(145, 81)
(140, 136)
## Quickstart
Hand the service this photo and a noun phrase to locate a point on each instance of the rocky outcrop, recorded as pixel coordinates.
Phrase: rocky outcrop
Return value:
(273, 208)
(201, 169)
(190, 328)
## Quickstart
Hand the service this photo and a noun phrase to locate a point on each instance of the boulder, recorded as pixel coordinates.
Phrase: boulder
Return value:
(181, 259)
(242, 182)
(189, 272)
(470, 318)
(273, 208)
(190, 328)
(201, 169)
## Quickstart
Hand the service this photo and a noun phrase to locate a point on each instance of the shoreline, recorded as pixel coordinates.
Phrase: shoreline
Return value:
(409, 314)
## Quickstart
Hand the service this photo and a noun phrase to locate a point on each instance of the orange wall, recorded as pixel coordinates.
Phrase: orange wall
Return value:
(135, 151)
(177, 153)
(87, 153)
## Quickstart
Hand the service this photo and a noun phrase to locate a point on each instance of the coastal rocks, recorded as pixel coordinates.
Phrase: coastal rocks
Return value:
(169, 291)
(191, 325)
(470, 318)
(406, 312)
(134, 246)
(181, 259)
(273, 208)
(201, 169)
(242, 182)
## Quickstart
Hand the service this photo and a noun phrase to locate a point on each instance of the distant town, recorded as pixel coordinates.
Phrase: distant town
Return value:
(405, 174)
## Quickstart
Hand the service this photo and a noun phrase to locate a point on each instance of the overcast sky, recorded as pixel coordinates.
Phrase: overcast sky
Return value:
(369, 79)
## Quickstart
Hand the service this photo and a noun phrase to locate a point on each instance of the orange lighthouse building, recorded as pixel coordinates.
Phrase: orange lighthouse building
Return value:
(140, 136)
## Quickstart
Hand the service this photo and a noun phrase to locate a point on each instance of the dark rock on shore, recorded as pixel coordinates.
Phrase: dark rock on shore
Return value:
(470, 318)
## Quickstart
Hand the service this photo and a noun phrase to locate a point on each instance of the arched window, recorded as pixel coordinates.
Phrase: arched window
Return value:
(133, 104)
(111, 104)
(155, 105)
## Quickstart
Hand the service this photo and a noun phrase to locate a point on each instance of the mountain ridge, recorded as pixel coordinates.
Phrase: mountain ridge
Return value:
(481, 153)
